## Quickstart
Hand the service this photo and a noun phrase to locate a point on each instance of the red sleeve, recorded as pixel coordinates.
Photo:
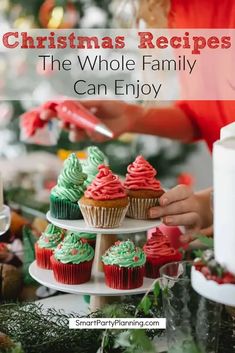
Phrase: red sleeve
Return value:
(185, 107)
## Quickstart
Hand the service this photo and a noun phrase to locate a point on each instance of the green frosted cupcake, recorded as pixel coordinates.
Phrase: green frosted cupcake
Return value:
(95, 158)
(46, 244)
(124, 265)
(89, 238)
(69, 189)
(72, 261)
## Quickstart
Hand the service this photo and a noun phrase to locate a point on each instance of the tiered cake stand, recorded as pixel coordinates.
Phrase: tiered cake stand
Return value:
(96, 287)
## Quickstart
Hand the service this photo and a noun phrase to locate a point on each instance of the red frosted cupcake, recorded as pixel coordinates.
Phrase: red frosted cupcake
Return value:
(105, 202)
(46, 245)
(143, 189)
(72, 261)
(159, 252)
(124, 265)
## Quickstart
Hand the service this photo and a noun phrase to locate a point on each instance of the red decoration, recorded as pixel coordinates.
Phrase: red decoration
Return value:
(185, 179)
(74, 252)
(136, 258)
(69, 19)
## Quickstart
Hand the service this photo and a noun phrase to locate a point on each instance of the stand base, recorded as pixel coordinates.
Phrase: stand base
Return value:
(219, 293)
(99, 302)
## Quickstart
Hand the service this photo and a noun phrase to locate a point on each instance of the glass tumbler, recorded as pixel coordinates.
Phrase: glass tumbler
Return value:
(192, 321)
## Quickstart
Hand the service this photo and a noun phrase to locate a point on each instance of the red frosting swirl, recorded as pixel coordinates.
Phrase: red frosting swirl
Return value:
(158, 246)
(141, 175)
(105, 186)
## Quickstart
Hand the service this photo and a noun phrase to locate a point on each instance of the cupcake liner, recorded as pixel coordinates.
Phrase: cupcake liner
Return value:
(71, 273)
(152, 266)
(139, 207)
(123, 277)
(103, 217)
(63, 209)
(43, 256)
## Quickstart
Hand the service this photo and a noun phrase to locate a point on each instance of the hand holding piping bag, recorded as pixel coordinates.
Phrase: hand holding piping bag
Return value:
(69, 112)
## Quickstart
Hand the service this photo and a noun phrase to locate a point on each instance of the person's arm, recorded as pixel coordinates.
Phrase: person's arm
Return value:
(169, 122)
(120, 117)
(181, 207)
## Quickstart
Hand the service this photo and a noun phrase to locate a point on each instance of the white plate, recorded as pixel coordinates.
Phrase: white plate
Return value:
(219, 293)
(128, 226)
(95, 286)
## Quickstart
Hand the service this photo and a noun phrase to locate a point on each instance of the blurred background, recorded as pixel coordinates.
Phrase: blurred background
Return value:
(29, 171)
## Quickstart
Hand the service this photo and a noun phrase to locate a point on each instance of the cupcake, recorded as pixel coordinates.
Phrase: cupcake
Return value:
(90, 166)
(124, 265)
(105, 202)
(143, 189)
(159, 252)
(69, 189)
(72, 261)
(46, 245)
(89, 238)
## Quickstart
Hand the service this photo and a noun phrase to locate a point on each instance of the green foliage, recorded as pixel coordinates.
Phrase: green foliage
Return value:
(134, 341)
(16, 349)
(145, 305)
(43, 331)
(209, 242)
(29, 255)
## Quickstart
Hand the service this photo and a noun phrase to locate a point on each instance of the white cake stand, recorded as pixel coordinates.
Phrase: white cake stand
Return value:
(100, 293)
(219, 293)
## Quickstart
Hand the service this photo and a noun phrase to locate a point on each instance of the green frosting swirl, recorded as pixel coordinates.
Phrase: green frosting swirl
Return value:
(90, 166)
(124, 254)
(72, 250)
(70, 185)
(51, 237)
(81, 235)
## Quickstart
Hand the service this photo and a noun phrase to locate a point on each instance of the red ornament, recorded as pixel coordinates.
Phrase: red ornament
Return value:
(3, 247)
(49, 19)
(136, 258)
(117, 243)
(185, 179)
(74, 252)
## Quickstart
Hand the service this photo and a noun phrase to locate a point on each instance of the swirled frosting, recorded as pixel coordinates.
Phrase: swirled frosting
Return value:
(105, 186)
(51, 237)
(158, 246)
(83, 235)
(141, 175)
(73, 250)
(70, 185)
(124, 254)
(90, 166)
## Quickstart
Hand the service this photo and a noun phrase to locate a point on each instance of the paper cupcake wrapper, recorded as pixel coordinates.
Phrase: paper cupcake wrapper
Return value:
(63, 209)
(123, 278)
(71, 273)
(138, 208)
(153, 266)
(43, 256)
(103, 217)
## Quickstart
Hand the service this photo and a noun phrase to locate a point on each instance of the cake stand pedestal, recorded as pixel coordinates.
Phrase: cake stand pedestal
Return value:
(219, 293)
(96, 287)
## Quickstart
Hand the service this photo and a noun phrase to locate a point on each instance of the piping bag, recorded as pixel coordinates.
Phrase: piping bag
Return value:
(46, 132)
